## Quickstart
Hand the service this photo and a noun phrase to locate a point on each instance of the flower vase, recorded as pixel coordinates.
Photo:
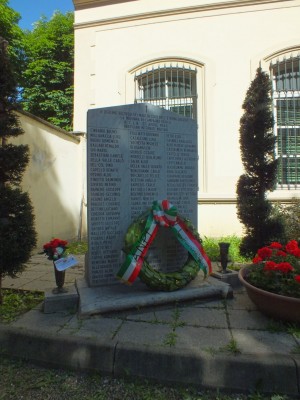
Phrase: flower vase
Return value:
(59, 280)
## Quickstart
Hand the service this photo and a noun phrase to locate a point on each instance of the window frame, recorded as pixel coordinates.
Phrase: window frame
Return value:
(201, 106)
(285, 78)
(169, 86)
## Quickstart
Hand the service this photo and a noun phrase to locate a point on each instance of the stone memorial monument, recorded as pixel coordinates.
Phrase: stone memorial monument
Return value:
(137, 154)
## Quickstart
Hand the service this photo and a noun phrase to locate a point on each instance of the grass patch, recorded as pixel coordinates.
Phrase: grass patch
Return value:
(211, 246)
(286, 327)
(22, 380)
(296, 349)
(17, 302)
(77, 248)
(212, 249)
(231, 347)
(294, 329)
(170, 339)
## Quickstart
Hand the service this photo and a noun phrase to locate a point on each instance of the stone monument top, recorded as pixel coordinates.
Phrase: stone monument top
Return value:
(136, 154)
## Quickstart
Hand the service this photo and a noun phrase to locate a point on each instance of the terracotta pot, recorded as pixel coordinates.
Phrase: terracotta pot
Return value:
(273, 305)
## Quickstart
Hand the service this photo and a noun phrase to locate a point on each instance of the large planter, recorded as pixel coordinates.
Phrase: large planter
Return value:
(273, 305)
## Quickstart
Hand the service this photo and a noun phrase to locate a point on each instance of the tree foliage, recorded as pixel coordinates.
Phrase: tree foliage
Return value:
(10, 31)
(17, 233)
(47, 79)
(257, 144)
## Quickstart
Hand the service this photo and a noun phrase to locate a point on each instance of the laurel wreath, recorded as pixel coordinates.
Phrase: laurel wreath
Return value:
(153, 278)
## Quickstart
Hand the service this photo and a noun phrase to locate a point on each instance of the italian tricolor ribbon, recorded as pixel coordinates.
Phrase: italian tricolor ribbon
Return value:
(163, 213)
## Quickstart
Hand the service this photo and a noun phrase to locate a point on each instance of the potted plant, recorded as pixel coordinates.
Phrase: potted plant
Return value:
(273, 280)
(55, 249)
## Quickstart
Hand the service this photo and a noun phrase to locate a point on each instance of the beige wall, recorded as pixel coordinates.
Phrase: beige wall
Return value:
(53, 178)
(224, 40)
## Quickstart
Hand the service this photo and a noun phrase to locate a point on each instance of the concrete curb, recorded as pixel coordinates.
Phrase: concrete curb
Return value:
(273, 374)
(58, 351)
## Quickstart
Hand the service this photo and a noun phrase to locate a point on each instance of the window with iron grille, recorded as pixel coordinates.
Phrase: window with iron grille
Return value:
(285, 76)
(170, 87)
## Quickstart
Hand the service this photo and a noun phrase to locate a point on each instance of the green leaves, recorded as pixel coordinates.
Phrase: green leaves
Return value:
(18, 236)
(17, 302)
(10, 31)
(15, 159)
(41, 63)
(17, 233)
(257, 144)
(48, 77)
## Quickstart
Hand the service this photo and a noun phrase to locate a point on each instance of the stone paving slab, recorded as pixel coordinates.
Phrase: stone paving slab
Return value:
(240, 301)
(143, 333)
(208, 303)
(39, 274)
(210, 340)
(204, 317)
(262, 342)
(40, 322)
(155, 316)
(106, 330)
(245, 319)
(220, 343)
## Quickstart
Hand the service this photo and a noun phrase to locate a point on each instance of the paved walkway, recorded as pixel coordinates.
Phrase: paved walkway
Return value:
(212, 343)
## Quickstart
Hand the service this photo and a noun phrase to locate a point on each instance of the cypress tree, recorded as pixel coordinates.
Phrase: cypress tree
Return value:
(257, 144)
(17, 233)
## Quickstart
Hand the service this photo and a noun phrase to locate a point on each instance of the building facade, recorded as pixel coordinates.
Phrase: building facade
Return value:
(196, 58)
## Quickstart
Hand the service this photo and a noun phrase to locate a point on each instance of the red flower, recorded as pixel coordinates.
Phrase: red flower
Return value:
(281, 253)
(264, 252)
(292, 248)
(55, 248)
(257, 260)
(55, 243)
(270, 266)
(275, 245)
(285, 267)
(295, 252)
(276, 269)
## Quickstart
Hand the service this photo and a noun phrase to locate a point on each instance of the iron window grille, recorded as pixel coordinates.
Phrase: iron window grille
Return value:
(285, 77)
(170, 87)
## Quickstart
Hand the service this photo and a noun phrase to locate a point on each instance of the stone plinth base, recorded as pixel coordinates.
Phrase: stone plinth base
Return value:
(67, 301)
(230, 277)
(118, 297)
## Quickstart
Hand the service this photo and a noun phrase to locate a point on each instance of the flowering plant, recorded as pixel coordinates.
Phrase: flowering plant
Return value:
(55, 249)
(276, 268)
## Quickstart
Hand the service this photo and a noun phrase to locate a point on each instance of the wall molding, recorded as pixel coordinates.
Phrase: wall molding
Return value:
(282, 52)
(162, 60)
(165, 13)
(230, 200)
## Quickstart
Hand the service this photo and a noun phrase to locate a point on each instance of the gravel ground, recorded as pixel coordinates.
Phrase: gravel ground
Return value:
(20, 380)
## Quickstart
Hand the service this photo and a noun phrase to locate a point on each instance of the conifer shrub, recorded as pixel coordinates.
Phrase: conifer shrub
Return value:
(257, 144)
(17, 233)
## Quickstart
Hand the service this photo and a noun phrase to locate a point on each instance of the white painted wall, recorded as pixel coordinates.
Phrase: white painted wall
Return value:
(53, 178)
(226, 40)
